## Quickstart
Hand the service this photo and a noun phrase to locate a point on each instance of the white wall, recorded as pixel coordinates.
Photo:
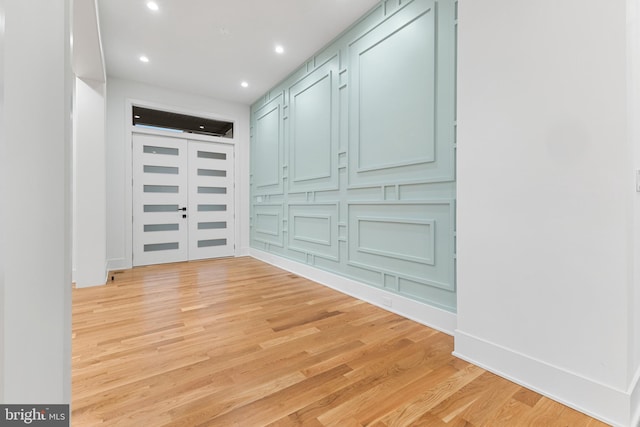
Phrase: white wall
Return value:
(90, 222)
(2, 197)
(35, 168)
(545, 185)
(120, 94)
(633, 76)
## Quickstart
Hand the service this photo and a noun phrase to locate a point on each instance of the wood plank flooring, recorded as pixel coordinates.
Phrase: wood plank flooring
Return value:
(236, 342)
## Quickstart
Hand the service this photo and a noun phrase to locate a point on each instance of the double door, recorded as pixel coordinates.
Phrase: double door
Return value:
(183, 200)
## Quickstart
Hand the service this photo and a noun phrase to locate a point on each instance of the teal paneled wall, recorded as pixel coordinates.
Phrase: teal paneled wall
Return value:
(353, 155)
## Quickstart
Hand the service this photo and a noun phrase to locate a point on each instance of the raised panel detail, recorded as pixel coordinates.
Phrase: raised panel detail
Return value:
(311, 136)
(401, 117)
(410, 240)
(267, 146)
(406, 239)
(401, 109)
(312, 139)
(313, 228)
(267, 225)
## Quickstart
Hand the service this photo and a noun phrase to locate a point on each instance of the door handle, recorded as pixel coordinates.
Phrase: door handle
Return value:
(182, 209)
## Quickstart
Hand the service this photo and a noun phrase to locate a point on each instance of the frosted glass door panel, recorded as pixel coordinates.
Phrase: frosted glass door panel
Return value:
(211, 204)
(159, 193)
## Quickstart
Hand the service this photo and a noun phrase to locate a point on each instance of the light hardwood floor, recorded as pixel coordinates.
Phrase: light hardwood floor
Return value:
(236, 342)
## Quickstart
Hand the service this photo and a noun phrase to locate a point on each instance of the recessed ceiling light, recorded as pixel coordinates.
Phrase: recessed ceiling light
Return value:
(136, 116)
(279, 49)
(244, 84)
(201, 127)
(144, 59)
(153, 6)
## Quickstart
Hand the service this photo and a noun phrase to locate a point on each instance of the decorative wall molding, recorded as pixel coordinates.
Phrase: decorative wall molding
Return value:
(320, 234)
(268, 128)
(267, 227)
(313, 134)
(356, 148)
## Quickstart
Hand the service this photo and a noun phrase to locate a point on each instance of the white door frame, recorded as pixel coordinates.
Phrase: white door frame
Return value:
(128, 190)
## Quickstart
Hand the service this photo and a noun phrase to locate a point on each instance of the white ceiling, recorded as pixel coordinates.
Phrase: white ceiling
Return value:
(209, 47)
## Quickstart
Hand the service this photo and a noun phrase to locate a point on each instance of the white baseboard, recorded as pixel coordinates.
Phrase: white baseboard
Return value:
(118, 264)
(634, 392)
(97, 279)
(597, 400)
(433, 317)
(106, 272)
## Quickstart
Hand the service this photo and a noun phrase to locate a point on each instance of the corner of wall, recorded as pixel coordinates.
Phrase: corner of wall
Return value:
(634, 400)
(571, 389)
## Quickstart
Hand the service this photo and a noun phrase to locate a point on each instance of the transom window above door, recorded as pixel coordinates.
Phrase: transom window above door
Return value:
(176, 122)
